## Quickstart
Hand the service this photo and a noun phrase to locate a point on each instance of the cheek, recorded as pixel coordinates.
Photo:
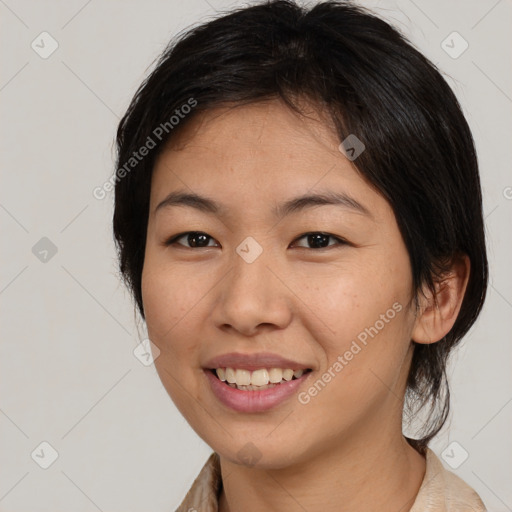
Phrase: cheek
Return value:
(171, 308)
(344, 299)
(360, 317)
(364, 362)
(171, 301)
(169, 296)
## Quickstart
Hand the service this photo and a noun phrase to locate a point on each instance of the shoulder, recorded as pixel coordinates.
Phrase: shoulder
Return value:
(443, 491)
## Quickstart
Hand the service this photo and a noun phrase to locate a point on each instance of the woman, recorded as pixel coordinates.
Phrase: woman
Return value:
(298, 216)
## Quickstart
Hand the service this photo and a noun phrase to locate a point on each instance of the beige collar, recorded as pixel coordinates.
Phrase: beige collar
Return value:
(440, 491)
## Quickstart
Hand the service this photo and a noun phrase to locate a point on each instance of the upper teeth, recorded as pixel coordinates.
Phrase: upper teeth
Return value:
(258, 377)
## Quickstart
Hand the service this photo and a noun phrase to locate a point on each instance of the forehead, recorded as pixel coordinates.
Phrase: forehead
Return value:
(257, 153)
(257, 124)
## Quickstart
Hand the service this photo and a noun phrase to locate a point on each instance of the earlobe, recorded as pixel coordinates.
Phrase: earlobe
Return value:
(437, 314)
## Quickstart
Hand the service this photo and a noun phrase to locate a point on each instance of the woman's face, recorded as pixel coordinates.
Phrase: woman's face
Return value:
(337, 302)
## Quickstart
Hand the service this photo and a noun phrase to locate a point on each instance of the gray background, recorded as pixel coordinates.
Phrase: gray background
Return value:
(67, 368)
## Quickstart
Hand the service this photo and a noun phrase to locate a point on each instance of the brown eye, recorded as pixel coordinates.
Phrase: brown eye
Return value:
(195, 239)
(318, 240)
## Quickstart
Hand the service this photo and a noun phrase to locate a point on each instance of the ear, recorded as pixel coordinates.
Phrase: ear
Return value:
(438, 313)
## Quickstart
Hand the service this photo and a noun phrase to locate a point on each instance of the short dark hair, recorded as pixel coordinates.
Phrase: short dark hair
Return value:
(419, 156)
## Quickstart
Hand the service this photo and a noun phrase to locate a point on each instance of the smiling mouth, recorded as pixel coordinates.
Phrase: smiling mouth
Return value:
(257, 380)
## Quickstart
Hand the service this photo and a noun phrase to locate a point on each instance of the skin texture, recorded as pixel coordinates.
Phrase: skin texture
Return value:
(298, 301)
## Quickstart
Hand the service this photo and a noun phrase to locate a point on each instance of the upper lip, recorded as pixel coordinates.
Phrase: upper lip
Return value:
(253, 361)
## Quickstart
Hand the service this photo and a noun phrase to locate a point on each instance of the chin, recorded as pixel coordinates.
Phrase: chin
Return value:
(258, 454)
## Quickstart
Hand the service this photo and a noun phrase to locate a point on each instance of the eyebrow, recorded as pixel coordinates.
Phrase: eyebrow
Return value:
(296, 204)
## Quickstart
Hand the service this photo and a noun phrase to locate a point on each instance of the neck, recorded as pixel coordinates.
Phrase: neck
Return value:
(364, 473)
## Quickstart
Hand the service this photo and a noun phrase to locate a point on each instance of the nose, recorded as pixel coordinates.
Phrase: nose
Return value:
(252, 297)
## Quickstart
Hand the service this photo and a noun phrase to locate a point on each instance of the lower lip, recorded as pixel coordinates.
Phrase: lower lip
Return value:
(253, 401)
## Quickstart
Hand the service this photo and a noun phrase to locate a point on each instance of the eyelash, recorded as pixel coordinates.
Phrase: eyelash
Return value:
(340, 241)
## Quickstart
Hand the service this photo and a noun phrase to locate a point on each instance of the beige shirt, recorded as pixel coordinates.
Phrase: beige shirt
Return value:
(440, 491)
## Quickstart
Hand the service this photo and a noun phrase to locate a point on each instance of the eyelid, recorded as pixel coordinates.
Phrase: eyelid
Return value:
(173, 239)
(340, 241)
